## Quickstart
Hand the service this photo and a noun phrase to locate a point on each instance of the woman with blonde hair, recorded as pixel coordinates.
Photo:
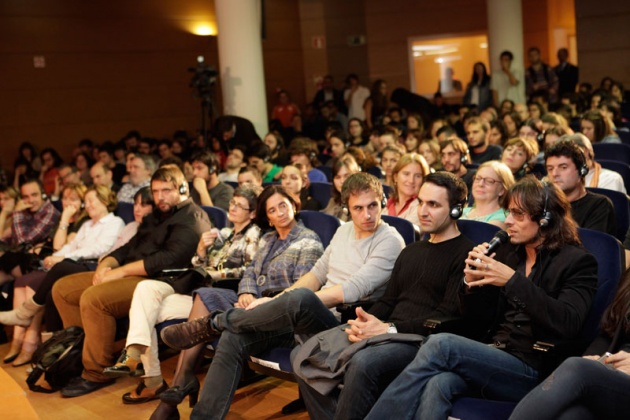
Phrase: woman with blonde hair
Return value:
(490, 184)
(407, 178)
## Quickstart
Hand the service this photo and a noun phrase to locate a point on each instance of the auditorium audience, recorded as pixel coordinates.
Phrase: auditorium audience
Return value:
(413, 295)
(567, 168)
(49, 172)
(538, 288)
(101, 174)
(9, 197)
(477, 134)
(220, 255)
(276, 144)
(249, 176)
(490, 184)
(597, 128)
(356, 265)
(478, 91)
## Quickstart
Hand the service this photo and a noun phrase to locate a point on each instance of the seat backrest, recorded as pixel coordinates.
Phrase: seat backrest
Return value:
(622, 209)
(125, 212)
(321, 191)
(612, 151)
(624, 136)
(403, 226)
(217, 215)
(232, 184)
(609, 254)
(477, 232)
(622, 168)
(323, 224)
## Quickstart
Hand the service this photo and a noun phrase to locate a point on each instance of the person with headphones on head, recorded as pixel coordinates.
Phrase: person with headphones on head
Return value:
(567, 168)
(165, 240)
(207, 189)
(307, 156)
(355, 267)
(537, 288)
(519, 155)
(414, 294)
(455, 156)
(259, 156)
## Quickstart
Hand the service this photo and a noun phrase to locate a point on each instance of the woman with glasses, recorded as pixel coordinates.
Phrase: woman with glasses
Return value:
(490, 184)
(220, 254)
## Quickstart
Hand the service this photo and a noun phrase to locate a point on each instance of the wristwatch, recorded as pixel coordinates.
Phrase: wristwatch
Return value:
(392, 328)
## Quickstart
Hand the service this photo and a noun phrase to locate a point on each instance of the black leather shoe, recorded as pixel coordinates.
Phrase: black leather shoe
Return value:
(79, 386)
(143, 394)
(176, 394)
(188, 334)
(125, 366)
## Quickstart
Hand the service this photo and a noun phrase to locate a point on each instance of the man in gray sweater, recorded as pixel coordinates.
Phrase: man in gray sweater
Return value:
(355, 266)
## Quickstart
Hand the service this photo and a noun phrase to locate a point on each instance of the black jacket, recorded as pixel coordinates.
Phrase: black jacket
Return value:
(552, 306)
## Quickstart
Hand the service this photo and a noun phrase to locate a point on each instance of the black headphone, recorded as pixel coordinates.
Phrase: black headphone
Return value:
(44, 196)
(456, 211)
(183, 188)
(545, 219)
(583, 170)
(82, 205)
(522, 172)
(464, 157)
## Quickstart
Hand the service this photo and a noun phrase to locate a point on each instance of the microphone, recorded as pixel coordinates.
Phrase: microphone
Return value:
(499, 239)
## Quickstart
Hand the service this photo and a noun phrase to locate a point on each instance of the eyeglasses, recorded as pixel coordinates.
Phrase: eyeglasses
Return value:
(517, 214)
(238, 206)
(488, 181)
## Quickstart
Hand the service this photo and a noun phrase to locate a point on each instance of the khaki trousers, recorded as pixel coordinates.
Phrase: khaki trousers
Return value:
(95, 309)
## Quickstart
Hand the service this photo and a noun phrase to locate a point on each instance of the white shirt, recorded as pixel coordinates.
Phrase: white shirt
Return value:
(608, 179)
(93, 239)
(505, 90)
(355, 108)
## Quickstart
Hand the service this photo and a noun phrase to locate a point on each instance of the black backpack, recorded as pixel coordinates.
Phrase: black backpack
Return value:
(59, 359)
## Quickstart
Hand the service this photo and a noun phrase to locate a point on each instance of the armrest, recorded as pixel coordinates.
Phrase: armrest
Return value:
(554, 352)
(272, 292)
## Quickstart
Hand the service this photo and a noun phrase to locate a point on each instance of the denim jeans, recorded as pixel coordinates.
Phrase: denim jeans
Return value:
(269, 325)
(447, 366)
(368, 373)
(578, 389)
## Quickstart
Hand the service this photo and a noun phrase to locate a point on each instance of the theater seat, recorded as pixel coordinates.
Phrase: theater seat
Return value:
(125, 212)
(622, 209)
(403, 226)
(217, 216)
(323, 224)
(478, 232)
(320, 191)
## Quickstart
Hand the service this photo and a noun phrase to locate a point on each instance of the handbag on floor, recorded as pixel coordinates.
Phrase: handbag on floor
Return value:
(58, 359)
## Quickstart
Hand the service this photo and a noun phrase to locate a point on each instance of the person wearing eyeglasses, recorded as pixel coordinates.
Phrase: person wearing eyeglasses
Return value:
(540, 287)
(492, 180)
(220, 254)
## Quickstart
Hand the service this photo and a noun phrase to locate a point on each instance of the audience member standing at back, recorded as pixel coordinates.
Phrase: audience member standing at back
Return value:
(507, 82)
(478, 90)
(568, 74)
(355, 96)
(540, 76)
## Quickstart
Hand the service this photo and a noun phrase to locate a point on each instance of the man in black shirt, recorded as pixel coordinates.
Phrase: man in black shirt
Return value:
(166, 239)
(424, 285)
(478, 134)
(566, 167)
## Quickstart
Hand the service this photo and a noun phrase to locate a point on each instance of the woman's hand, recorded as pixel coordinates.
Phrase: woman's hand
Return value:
(257, 302)
(49, 262)
(487, 269)
(207, 240)
(67, 213)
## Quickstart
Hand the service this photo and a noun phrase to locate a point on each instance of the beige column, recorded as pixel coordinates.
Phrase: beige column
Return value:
(241, 61)
(505, 32)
